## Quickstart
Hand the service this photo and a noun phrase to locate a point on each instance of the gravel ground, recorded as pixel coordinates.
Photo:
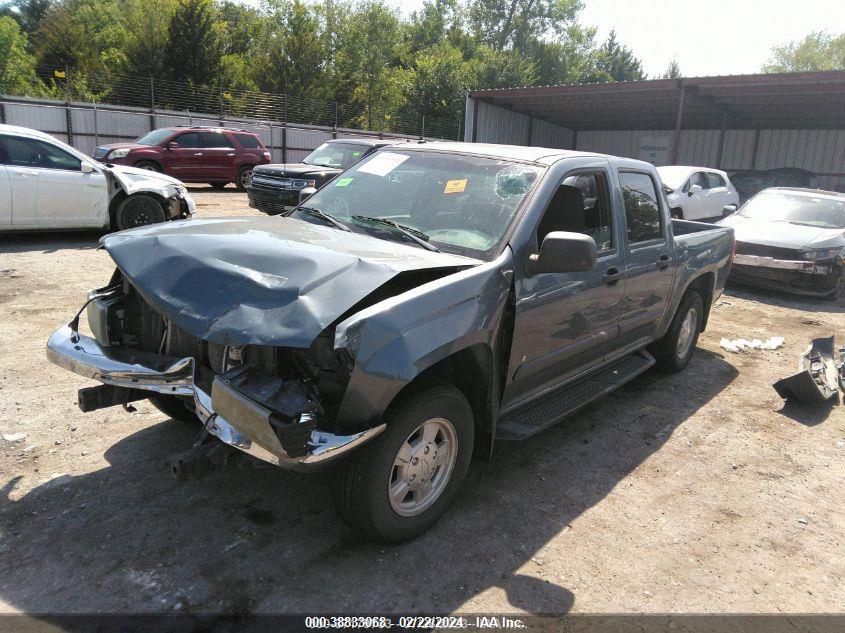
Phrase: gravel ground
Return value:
(699, 492)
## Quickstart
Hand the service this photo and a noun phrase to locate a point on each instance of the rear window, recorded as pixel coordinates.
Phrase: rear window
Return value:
(214, 139)
(248, 140)
(642, 211)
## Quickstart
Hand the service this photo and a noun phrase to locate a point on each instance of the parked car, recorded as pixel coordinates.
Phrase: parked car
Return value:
(751, 182)
(791, 239)
(46, 184)
(698, 193)
(217, 155)
(275, 188)
(434, 292)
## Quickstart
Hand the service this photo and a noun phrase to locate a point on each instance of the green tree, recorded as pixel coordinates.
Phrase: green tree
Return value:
(673, 71)
(27, 13)
(502, 69)
(516, 23)
(17, 68)
(147, 26)
(614, 62)
(437, 85)
(817, 51)
(193, 51)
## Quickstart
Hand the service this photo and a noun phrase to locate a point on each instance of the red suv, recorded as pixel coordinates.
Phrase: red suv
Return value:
(217, 155)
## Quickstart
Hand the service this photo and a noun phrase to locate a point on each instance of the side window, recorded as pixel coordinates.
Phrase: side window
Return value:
(700, 179)
(214, 139)
(28, 152)
(189, 140)
(714, 180)
(581, 205)
(247, 140)
(642, 210)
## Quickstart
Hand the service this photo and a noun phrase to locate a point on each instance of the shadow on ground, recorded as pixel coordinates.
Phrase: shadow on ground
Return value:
(785, 300)
(49, 242)
(127, 538)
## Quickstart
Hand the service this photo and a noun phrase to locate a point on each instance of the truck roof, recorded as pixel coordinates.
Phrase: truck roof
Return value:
(543, 155)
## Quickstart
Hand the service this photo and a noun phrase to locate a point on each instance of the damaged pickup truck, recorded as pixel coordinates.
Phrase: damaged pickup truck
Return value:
(432, 295)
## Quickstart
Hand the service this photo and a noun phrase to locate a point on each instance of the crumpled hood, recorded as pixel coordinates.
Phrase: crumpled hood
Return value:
(264, 281)
(782, 234)
(128, 176)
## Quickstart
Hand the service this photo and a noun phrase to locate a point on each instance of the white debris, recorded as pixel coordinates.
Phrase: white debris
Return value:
(741, 344)
(14, 437)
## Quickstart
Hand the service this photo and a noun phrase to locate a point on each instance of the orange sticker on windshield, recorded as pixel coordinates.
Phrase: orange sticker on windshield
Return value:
(455, 186)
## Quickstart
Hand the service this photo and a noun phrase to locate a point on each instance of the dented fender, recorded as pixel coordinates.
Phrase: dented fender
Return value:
(394, 341)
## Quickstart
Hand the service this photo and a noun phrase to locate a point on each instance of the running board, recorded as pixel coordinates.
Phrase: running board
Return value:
(553, 407)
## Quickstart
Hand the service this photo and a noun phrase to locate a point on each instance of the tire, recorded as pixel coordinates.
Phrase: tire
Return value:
(838, 291)
(148, 165)
(421, 425)
(173, 407)
(677, 214)
(674, 350)
(138, 210)
(218, 186)
(244, 174)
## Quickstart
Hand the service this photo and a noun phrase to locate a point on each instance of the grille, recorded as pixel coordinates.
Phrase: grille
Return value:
(761, 250)
(274, 183)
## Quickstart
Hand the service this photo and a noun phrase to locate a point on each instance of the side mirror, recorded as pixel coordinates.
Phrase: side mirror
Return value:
(172, 145)
(564, 252)
(729, 209)
(306, 193)
(87, 168)
(694, 189)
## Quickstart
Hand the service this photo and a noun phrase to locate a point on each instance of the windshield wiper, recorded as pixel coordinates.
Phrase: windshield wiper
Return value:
(324, 216)
(408, 231)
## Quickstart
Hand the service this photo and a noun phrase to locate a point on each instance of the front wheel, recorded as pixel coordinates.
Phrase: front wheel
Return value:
(148, 165)
(138, 210)
(675, 349)
(398, 485)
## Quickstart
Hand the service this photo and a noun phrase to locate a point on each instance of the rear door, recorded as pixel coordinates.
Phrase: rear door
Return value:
(218, 155)
(649, 271)
(566, 322)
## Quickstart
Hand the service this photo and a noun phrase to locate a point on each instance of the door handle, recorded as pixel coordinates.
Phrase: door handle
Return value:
(663, 262)
(198, 154)
(611, 276)
(232, 154)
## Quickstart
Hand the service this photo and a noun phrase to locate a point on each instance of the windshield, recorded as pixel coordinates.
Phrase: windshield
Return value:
(820, 211)
(461, 204)
(339, 155)
(156, 137)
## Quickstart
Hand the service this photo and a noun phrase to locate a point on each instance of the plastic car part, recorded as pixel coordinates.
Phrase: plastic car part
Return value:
(817, 378)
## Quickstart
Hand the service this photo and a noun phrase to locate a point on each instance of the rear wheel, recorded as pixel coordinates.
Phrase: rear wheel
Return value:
(675, 349)
(138, 210)
(244, 176)
(174, 407)
(398, 485)
(148, 165)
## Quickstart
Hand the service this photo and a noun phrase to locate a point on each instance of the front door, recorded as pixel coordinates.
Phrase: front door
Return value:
(650, 271)
(186, 159)
(566, 322)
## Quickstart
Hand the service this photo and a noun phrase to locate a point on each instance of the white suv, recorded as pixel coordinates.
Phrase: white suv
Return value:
(697, 193)
(46, 184)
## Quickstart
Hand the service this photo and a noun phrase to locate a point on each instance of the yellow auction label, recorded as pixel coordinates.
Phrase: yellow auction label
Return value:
(455, 186)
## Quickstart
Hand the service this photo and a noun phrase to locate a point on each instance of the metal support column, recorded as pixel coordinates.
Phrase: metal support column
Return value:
(754, 148)
(721, 139)
(530, 130)
(474, 120)
(679, 120)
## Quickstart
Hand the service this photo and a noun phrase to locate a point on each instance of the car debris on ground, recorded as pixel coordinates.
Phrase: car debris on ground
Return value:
(741, 344)
(816, 380)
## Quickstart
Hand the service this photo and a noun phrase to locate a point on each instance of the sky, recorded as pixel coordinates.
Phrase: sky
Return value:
(706, 37)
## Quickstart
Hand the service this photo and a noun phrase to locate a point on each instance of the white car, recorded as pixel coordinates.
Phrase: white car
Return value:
(46, 184)
(697, 193)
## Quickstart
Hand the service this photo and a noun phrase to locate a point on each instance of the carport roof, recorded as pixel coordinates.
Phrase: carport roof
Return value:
(812, 100)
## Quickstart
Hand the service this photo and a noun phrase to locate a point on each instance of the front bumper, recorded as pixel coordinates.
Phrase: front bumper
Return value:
(795, 276)
(272, 202)
(132, 369)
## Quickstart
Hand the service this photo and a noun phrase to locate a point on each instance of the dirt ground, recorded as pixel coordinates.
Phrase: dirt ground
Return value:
(699, 492)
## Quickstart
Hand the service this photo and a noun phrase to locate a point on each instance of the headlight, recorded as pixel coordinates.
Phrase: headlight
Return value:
(118, 153)
(826, 253)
